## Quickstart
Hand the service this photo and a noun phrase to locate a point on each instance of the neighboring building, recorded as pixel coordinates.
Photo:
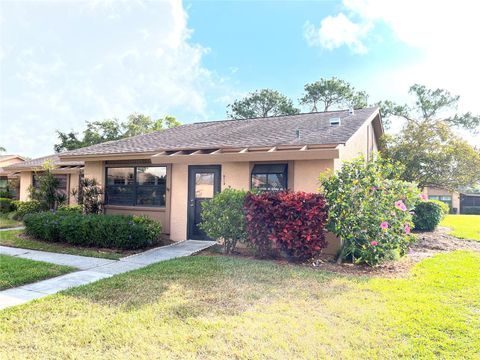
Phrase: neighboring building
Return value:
(68, 172)
(470, 204)
(167, 174)
(451, 198)
(9, 183)
(459, 202)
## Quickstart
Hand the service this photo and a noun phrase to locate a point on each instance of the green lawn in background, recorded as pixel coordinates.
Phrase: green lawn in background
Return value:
(223, 307)
(15, 271)
(5, 222)
(11, 238)
(463, 226)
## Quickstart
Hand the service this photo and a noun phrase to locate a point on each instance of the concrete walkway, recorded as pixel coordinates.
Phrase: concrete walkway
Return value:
(91, 269)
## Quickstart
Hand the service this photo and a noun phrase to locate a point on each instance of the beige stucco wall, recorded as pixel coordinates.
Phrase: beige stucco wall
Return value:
(73, 185)
(15, 160)
(25, 183)
(438, 192)
(179, 203)
(306, 173)
(236, 175)
(95, 170)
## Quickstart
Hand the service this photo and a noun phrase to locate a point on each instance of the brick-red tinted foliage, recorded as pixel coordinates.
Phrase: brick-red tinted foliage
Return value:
(290, 222)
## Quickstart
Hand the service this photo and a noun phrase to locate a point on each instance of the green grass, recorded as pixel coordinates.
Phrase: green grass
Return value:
(11, 238)
(223, 307)
(15, 271)
(5, 222)
(463, 226)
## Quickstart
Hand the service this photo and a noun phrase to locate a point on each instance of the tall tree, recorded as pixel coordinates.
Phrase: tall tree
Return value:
(431, 105)
(432, 153)
(107, 130)
(262, 103)
(330, 93)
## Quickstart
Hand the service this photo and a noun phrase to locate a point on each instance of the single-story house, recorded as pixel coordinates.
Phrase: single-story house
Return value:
(167, 174)
(451, 198)
(68, 173)
(460, 202)
(7, 182)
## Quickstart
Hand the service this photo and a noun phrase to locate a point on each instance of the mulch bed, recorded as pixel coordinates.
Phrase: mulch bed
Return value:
(428, 244)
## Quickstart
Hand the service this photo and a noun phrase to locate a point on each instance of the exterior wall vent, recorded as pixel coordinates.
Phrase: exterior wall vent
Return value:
(335, 121)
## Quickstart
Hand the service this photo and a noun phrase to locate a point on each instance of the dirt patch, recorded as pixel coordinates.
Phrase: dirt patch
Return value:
(428, 244)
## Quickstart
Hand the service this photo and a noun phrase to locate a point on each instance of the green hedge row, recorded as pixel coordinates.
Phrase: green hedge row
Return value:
(6, 205)
(471, 210)
(107, 231)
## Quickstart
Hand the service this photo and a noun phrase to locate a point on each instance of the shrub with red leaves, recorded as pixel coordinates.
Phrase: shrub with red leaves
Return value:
(289, 222)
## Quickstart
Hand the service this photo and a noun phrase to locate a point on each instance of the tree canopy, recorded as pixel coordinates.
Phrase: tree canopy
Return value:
(112, 129)
(332, 92)
(431, 106)
(262, 103)
(427, 145)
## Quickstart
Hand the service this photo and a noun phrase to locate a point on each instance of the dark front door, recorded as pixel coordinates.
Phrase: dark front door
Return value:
(203, 184)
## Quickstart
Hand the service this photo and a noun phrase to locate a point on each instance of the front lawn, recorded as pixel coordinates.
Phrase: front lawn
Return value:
(12, 238)
(463, 226)
(15, 271)
(5, 222)
(225, 307)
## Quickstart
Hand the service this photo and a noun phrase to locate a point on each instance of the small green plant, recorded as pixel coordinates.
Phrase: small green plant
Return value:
(89, 196)
(223, 218)
(427, 215)
(6, 205)
(26, 207)
(47, 191)
(70, 209)
(369, 210)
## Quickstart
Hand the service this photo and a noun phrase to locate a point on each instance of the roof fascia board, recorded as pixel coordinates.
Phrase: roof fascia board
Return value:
(317, 154)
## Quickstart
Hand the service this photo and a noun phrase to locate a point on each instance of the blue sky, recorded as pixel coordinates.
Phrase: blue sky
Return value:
(65, 62)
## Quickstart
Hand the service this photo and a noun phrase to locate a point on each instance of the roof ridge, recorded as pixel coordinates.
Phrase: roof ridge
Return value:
(278, 116)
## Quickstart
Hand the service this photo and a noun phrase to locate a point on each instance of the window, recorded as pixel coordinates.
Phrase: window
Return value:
(136, 186)
(269, 177)
(62, 182)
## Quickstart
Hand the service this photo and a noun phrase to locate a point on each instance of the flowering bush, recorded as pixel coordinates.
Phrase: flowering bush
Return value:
(369, 210)
(108, 231)
(291, 222)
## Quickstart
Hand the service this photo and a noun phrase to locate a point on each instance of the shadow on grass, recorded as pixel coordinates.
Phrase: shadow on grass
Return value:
(194, 285)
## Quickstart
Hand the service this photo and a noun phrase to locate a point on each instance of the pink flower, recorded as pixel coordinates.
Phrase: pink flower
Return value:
(423, 197)
(373, 243)
(400, 205)
(407, 229)
(384, 225)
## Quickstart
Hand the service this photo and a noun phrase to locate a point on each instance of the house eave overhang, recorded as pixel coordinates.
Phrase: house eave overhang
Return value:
(214, 156)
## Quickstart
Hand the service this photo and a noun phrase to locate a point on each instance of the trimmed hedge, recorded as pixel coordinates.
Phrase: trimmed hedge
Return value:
(291, 222)
(445, 208)
(107, 231)
(6, 205)
(427, 215)
(23, 208)
(471, 210)
(70, 209)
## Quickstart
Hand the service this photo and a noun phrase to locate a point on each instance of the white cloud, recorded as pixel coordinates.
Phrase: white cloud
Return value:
(336, 31)
(65, 67)
(444, 34)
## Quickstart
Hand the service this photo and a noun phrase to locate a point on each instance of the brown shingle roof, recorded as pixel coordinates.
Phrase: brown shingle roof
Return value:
(38, 162)
(314, 129)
